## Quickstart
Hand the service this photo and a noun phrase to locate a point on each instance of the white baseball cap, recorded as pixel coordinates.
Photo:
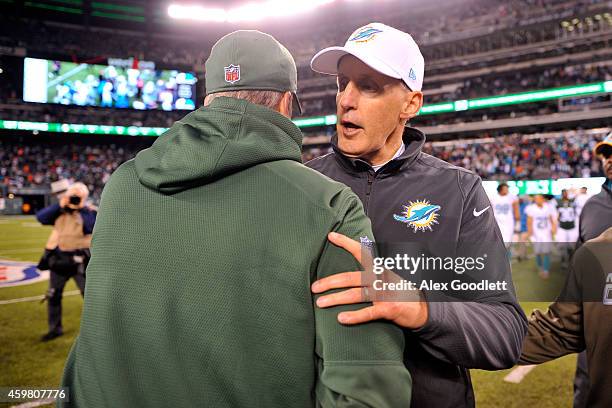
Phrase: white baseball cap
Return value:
(60, 186)
(384, 49)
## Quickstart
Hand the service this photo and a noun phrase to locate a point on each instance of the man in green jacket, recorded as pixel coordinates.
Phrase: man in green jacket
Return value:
(200, 236)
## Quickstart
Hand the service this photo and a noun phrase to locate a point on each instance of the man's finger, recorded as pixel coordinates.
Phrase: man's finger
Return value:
(338, 281)
(346, 297)
(350, 245)
(367, 314)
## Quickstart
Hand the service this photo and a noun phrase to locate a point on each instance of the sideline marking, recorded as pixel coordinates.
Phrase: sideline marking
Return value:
(37, 403)
(518, 374)
(34, 298)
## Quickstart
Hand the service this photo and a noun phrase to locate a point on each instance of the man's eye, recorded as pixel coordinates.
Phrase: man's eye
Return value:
(368, 87)
(342, 84)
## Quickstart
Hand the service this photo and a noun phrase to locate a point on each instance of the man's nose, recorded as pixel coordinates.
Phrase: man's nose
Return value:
(348, 97)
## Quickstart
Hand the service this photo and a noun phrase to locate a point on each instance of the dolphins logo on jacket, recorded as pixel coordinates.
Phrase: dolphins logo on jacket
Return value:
(420, 215)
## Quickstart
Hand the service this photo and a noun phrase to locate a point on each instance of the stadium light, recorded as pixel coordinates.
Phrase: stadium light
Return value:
(197, 13)
(444, 107)
(437, 108)
(247, 12)
(517, 98)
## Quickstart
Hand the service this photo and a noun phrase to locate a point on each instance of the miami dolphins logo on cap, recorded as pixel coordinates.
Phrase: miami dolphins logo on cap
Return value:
(420, 215)
(232, 73)
(364, 34)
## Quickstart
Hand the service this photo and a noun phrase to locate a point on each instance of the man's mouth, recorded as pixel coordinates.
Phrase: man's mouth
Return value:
(349, 127)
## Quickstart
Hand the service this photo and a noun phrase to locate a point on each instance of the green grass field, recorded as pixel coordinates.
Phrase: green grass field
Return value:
(25, 361)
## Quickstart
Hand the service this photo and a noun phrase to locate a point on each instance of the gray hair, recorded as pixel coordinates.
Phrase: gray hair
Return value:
(269, 99)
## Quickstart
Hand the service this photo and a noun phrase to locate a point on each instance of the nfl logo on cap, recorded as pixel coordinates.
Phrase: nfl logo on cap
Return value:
(232, 73)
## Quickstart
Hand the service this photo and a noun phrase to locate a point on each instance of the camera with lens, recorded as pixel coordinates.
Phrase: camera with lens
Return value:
(74, 200)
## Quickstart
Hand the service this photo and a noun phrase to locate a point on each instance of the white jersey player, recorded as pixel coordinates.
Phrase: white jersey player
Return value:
(506, 211)
(541, 226)
(580, 200)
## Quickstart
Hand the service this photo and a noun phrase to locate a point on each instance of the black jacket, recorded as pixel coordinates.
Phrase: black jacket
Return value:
(485, 332)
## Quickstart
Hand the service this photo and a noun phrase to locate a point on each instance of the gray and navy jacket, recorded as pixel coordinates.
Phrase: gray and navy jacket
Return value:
(484, 333)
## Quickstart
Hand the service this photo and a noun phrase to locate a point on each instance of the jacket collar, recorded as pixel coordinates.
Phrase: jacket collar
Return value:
(225, 137)
(413, 139)
(607, 187)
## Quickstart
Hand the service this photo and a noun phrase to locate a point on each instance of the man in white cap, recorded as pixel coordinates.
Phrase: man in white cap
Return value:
(414, 198)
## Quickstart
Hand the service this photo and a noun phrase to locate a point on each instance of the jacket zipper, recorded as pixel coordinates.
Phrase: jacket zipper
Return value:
(371, 177)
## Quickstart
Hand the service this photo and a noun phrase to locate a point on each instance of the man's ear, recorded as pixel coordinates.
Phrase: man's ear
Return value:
(285, 105)
(412, 105)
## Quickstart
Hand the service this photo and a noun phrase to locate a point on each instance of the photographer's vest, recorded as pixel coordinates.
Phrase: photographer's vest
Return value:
(68, 233)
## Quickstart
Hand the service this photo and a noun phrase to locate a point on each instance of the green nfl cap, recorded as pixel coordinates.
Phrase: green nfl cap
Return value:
(251, 60)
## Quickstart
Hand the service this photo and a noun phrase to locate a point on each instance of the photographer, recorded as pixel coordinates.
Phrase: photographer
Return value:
(67, 250)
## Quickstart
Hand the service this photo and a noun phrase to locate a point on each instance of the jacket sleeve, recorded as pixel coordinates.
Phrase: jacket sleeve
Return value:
(553, 334)
(359, 366)
(48, 215)
(486, 330)
(89, 220)
(559, 331)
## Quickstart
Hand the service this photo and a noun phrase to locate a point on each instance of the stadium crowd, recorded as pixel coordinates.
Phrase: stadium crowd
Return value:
(518, 157)
(521, 81)
(511, 157)
(486, 85)
(91, 115)
(41, 163)
(468, 18)
(50, 38)
(515, 156)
